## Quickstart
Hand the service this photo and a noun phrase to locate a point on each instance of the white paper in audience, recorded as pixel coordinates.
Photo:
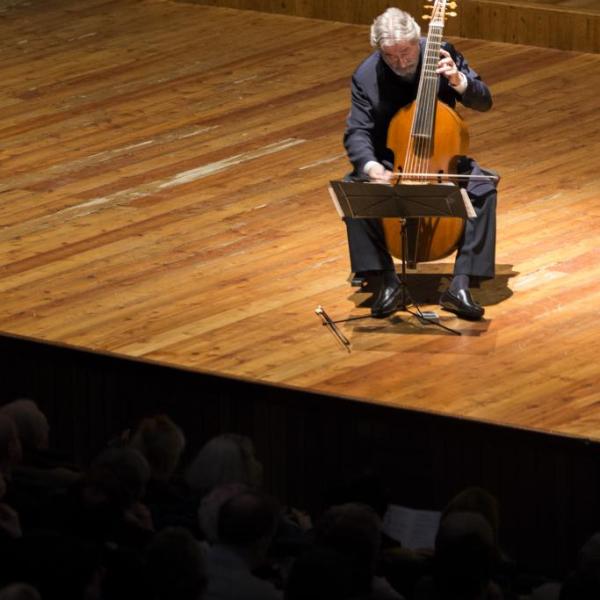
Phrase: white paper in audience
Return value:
(413, 528)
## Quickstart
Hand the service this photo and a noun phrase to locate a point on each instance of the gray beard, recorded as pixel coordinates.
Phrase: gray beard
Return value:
(406, 75)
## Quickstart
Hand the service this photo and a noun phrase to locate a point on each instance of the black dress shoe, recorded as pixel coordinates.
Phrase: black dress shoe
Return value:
(387, 300)
(461, 303)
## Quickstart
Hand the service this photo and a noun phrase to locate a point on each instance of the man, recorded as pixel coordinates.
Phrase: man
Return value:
(382, 84)
(246, 525)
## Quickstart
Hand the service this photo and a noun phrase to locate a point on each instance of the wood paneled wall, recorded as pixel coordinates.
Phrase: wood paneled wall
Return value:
(548, 486)
(549, 25)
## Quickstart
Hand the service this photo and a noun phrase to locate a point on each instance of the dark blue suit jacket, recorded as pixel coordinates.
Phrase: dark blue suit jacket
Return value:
(377, 95)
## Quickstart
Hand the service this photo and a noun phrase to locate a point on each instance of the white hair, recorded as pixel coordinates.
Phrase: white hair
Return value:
(392, 27)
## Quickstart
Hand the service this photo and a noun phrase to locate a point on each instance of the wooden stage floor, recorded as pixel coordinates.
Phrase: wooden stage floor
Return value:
(164, 197)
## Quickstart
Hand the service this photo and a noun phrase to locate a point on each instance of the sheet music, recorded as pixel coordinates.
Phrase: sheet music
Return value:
(413, 528)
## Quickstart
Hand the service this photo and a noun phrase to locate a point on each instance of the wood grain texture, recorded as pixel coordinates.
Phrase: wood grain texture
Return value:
(560, 24)
(163, 196)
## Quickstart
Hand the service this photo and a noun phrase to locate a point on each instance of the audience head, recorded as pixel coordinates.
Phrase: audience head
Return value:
(19, 591)
(320, 574)
(210, 506)
(227, 458)
(476, 500)
(31, 423)
(161, 442)
(10, 446)
(118, 476)
(465, 556)
(247, 522)
(176, 566)
(355, 531)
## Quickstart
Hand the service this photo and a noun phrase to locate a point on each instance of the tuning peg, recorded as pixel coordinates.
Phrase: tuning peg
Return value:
(427, 7)
(451, 5)
(426, 17)
(451, 14)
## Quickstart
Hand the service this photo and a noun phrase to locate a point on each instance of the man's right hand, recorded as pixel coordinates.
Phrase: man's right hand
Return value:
(379, 173)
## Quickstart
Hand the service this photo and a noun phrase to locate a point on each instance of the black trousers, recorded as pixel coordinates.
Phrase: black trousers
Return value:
(476, 254)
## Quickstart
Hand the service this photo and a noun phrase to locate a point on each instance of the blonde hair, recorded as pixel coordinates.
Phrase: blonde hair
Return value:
(392, 27)
(161, 442)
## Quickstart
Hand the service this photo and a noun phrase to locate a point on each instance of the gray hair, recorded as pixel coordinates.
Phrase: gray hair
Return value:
(392, 27)
(227, 458)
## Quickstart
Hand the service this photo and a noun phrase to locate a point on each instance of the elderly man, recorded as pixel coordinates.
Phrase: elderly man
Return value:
(383, 83)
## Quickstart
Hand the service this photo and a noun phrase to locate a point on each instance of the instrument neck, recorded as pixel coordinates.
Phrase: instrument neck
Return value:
(422, 126)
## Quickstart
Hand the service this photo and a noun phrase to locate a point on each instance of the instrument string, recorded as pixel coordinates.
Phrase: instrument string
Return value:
(420, 143)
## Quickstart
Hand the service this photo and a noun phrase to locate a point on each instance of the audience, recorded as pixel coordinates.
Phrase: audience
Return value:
(38, 474)
(246, 526)
(161, 442)
(354, 530)
(175, 566)
(584, 582)
(227, 458)
(108, 534)
(19, 591)
(31, 423)
(464, 560)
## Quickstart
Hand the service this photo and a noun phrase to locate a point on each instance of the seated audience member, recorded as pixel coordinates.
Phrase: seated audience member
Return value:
(584, 582)
(479, 500)
(39, 474)
(246, 527)
(19, 591)
(210, 506)
(354, 530)
(161, 442)
(31, 423)
(227, 458)
(464, 561)
(175, 566)
(476, 500)
(320, 574)
(105, 506)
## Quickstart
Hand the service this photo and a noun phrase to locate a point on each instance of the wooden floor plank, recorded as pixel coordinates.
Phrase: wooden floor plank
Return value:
(164, 197)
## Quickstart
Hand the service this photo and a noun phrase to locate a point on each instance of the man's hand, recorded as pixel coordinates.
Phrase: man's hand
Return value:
(379, 173)
(448, 69)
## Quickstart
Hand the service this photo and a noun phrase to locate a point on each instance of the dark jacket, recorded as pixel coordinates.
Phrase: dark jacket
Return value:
(378, 93)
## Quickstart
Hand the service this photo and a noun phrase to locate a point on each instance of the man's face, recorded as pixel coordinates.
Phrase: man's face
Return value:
(402, 57)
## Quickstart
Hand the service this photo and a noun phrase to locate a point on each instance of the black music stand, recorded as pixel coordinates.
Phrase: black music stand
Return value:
(360, 200)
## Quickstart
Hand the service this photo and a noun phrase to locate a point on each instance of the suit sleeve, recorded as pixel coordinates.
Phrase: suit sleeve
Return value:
(358, 138)
(477, 95)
